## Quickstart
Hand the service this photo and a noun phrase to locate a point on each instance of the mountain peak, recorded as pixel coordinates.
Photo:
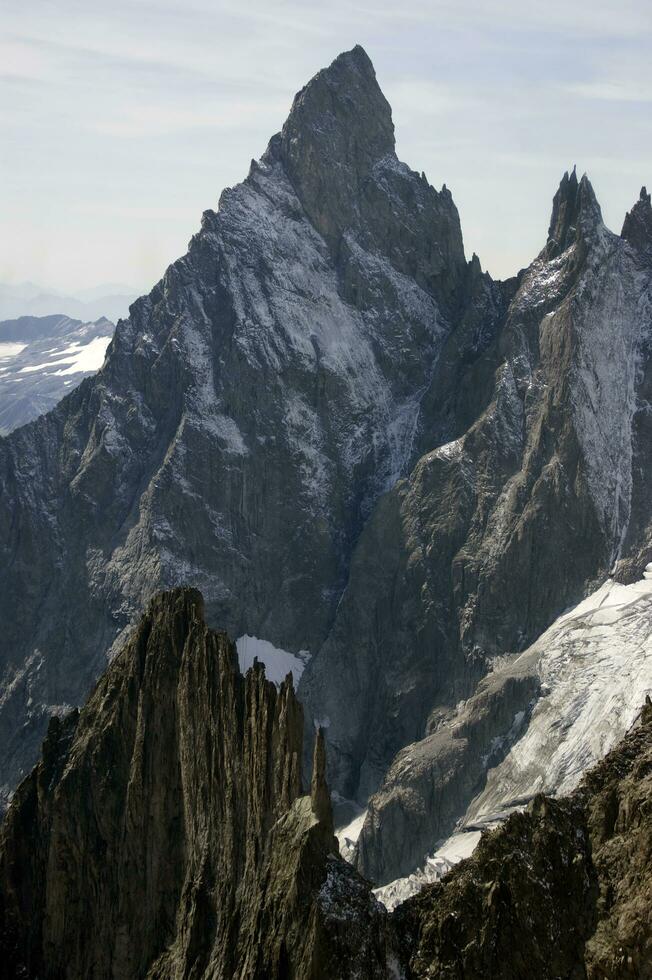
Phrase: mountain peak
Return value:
(345, 102)
(339, 127)
(637, 227)
(575, 213)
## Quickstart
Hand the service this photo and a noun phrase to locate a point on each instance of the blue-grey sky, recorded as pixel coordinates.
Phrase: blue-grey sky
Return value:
(122, 121)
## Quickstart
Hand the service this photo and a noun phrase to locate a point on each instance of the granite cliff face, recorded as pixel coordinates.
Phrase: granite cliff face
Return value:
(164, 833)
(356, 445)
(496, 532)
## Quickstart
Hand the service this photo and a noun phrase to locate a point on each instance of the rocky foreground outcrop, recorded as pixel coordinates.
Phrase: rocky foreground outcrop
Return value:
(563, 889)
(164, 835)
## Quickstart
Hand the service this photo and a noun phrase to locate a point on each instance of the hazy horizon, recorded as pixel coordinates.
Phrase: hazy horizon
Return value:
(122, 126)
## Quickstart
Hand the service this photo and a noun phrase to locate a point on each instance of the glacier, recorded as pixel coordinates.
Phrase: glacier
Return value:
(595, 670)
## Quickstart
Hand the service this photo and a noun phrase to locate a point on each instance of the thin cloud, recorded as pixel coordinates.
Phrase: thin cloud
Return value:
(152, 120)
(612, 91)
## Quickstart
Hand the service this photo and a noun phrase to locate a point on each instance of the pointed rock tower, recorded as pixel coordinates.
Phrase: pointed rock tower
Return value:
(637, 228)
(163, 833)
(575, 213)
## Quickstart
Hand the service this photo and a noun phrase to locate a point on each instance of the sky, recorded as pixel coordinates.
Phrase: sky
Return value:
(121, 122)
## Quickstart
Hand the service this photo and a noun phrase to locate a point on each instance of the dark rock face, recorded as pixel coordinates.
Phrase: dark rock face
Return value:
(561, 890)
(164, 833)
(637, 228)
(342, 115)
(574, 211)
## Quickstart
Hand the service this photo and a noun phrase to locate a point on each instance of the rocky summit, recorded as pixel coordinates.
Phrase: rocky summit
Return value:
(164, 834)
(372, 460)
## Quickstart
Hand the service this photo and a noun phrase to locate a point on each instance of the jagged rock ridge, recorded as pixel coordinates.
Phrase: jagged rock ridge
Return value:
(164, 833)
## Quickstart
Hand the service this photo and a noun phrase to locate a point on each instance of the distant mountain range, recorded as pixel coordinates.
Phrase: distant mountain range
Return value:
(42, 358)
(110, 300)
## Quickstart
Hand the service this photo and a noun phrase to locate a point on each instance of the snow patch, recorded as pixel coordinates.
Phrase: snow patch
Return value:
(86, 357)
(7, 350)
(278, 663)
(77, 358)
(450, 852)
(347, 835)
(595, 663)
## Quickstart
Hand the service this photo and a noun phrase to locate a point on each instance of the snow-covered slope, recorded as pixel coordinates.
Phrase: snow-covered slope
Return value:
(54, 356)
(595, 669)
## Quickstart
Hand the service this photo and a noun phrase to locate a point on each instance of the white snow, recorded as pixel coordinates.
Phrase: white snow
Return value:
(347, 835)
(449, 450)
(86, 357)
(595, 666)
(448, 853)
(77, 358)
(8, 350)
(278, 663)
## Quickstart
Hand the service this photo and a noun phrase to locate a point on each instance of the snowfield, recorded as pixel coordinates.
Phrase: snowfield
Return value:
(37, 374)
